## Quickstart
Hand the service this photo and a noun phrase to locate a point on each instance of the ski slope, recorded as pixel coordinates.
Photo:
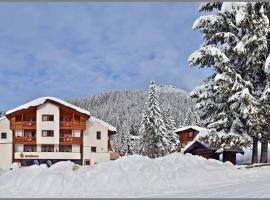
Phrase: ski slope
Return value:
(175, 175)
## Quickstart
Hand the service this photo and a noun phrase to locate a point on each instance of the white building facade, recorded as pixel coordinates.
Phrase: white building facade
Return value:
(48, 130)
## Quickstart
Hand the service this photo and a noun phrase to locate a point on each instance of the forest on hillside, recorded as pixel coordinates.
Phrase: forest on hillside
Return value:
(123, 109)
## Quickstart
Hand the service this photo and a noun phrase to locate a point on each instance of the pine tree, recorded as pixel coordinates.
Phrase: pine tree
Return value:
(192, 117)
(153, 140)
(117, 107)
(170, 127)
(121, 142)
(235, 46)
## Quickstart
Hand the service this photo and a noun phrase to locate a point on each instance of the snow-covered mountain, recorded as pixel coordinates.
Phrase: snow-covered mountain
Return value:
(169, 88)
(124, 109)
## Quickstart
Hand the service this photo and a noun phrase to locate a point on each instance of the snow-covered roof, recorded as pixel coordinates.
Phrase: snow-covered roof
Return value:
(42, 100)
(237, 150)
(192, 142)
(105, 124)
(197, 128)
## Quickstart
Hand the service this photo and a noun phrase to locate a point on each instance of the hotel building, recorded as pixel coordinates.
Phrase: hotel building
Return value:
(48, 130)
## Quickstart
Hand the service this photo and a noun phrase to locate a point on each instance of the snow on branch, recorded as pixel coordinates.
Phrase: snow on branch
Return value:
(208, 56)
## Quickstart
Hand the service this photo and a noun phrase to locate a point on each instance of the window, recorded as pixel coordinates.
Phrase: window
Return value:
(93, 149)
(47, 148)
(29, 148)
(98, 135)
(3, 135)
(65, 148)
(47, 118)
(190, 134)
(87, 162)
(47, 133)
(29, 119)
(183, 145)
(29, 134)
(65, 119)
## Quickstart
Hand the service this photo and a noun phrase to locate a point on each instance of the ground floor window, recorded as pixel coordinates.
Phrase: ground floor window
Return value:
(65, 148)
(87, 162)
(47, 148)
(93, 149)
(29, 148)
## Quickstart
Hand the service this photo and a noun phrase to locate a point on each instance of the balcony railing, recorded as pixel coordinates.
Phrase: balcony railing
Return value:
(70, 140)
(23, 125)
(73, 125)
(25, 140)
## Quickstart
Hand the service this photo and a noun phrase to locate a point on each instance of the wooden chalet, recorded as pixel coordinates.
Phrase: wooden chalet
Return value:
(201, 149)
(188, 137)
(187, 134)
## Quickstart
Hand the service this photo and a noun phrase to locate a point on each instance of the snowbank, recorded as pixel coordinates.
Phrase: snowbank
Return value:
(129, 176)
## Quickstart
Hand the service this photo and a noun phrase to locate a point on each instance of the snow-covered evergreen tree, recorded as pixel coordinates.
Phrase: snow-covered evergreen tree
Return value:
(119, 107)
(153, 139)
(192, 117)
(235, 47)
(170, 128)
(121, 142)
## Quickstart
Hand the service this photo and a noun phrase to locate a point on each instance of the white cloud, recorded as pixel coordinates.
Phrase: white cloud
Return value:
(75, 50)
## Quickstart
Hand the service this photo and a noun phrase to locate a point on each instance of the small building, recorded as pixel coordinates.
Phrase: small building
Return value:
(188, 133)
(198, 148)
(188, 137)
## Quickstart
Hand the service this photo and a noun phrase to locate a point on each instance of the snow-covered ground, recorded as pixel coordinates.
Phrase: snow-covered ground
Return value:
(175, 175)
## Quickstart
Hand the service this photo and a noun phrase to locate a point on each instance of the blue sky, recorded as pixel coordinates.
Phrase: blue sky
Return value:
(70, 50)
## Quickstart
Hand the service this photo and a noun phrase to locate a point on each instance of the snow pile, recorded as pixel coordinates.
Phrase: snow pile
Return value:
(14, 166)
(42, 100)
(129, 176)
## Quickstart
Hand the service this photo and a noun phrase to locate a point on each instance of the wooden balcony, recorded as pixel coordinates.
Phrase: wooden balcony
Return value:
(25, 140)
(69, 140)
(20, 125)
(73, 125)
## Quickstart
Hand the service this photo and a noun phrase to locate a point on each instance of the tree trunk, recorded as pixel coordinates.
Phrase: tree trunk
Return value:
(255, 150)
(264, 151)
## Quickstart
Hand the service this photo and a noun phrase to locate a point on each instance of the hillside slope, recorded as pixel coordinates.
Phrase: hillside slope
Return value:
(123, 109)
